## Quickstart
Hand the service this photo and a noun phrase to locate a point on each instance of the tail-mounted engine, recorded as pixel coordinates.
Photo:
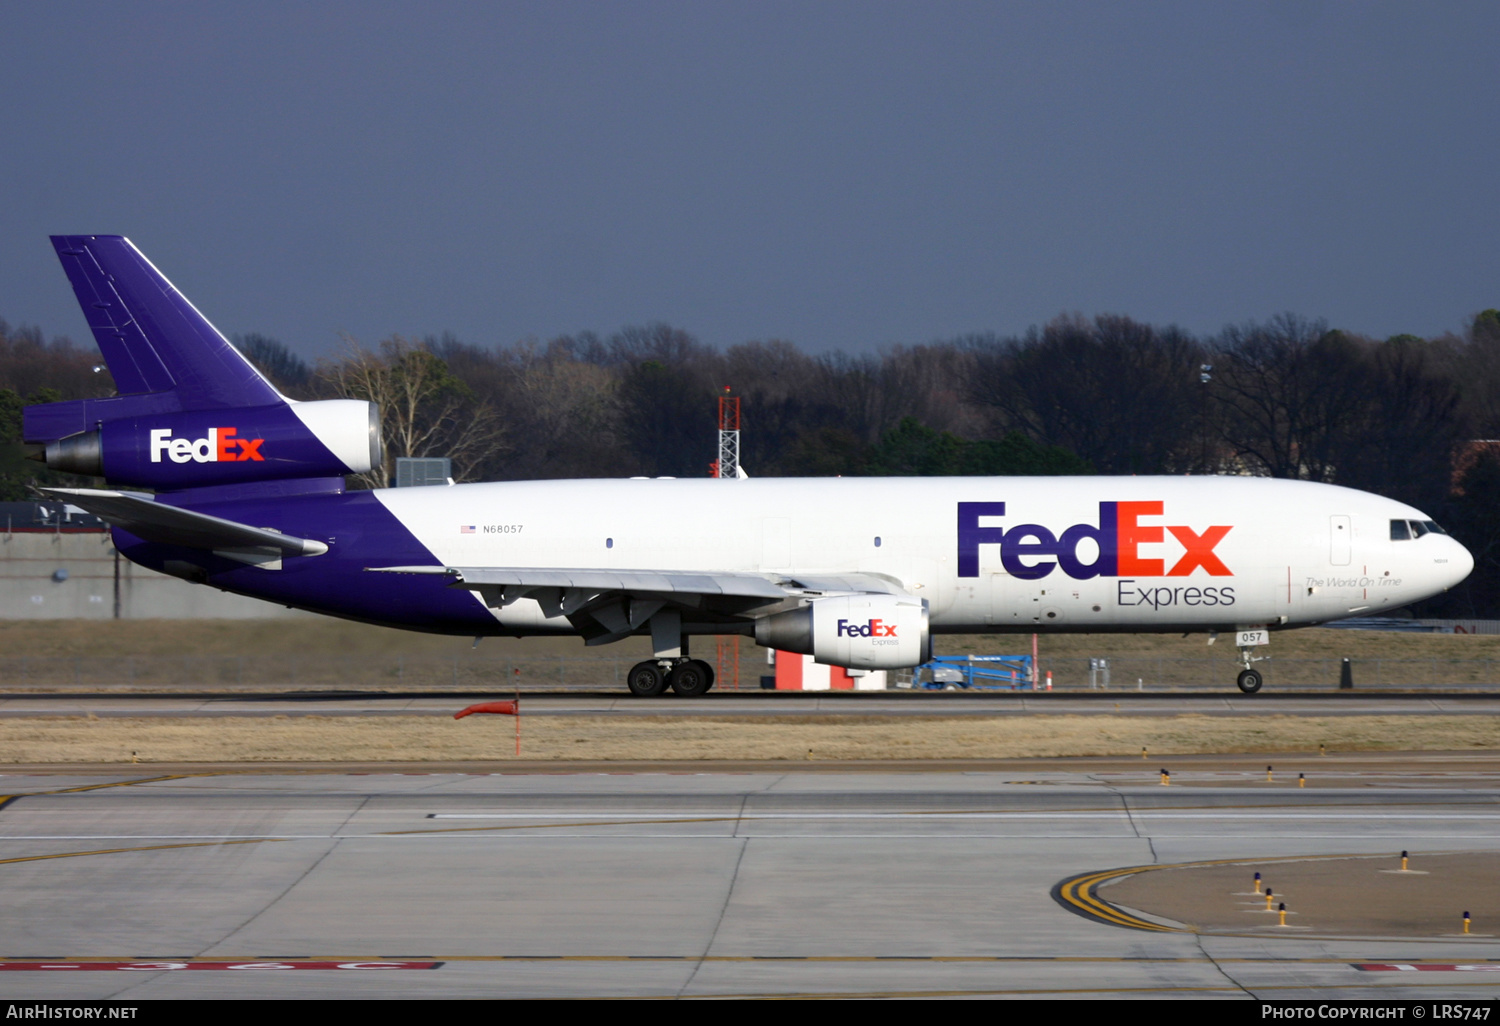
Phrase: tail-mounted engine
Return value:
(193, 448)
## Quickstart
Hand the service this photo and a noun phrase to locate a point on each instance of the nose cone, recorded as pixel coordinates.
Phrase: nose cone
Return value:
(1460, 563)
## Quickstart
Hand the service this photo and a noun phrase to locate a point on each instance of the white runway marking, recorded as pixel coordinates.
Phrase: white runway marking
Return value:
(833, 838)
(1138, 813)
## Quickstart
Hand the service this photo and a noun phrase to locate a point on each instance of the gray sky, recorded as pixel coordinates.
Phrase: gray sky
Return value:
(840, 175)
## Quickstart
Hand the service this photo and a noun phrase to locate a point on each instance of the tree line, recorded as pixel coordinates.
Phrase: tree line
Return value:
(1286, 397)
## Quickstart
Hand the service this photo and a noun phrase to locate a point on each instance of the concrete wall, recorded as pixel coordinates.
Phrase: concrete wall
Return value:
(29, 590)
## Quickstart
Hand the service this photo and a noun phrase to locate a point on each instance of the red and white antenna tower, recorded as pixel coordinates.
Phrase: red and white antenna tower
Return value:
(728, 463)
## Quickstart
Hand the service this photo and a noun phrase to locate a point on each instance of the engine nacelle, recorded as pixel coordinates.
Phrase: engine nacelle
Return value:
(194, 448)
(866, 632)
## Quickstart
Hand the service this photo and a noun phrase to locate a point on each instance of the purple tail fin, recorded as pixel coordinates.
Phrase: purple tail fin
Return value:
(192, 413)
(152, 338)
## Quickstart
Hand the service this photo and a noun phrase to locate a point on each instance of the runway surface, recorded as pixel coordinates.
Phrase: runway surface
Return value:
(714, 884)
(753, 705)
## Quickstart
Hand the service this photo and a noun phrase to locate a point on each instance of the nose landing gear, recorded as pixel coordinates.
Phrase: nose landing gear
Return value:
(1249, 680)
(1247, 639)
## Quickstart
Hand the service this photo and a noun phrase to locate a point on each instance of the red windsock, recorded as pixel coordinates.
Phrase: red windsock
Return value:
(503, 708)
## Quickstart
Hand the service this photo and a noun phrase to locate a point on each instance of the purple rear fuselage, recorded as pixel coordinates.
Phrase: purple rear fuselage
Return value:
(359, 532)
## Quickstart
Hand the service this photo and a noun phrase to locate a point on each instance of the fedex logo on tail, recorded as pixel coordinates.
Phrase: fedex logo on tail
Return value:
(221, 446)
(1031, 551)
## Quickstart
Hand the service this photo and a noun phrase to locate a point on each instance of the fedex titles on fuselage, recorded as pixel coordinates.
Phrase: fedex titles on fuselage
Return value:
(220, 446)
(1030, 552)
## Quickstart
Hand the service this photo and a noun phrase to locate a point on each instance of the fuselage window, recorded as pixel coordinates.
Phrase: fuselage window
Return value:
(1399, 531)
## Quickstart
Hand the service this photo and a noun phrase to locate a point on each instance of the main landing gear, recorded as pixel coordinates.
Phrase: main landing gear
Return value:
(687, 677)
(669, 666)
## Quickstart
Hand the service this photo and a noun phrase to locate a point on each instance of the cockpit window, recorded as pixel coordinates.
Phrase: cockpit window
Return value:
(1417, 528)
(1399, 531)
(1432, 526)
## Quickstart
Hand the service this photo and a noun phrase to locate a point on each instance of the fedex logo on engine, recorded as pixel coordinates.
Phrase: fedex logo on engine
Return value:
(1031, 551)
(871, 629)
(221, 446)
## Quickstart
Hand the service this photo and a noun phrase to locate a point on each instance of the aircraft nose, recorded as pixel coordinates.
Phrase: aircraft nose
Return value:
(1460, 564)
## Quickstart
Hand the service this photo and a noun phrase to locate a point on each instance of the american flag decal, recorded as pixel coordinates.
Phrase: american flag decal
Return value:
(466, 529)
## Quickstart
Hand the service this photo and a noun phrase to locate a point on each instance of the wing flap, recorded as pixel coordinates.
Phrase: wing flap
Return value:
(732, 585)
(854, 584)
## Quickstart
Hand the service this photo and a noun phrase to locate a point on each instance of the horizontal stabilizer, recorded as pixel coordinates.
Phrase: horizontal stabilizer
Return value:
(154, 521)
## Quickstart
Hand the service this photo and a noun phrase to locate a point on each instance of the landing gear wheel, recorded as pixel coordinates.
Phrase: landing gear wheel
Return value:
(690, 679)
(708, 669)
(645, 680)
(1249, 681)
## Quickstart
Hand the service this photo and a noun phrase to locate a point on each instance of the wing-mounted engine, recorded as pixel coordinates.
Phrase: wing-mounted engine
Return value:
(867, 632)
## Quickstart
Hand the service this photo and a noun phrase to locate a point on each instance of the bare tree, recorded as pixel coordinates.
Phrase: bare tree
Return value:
(288, 372)
(1403, 443)
(566, 409)
(29, 365)
(1285, 393)
(425, 409)
(1116, 392)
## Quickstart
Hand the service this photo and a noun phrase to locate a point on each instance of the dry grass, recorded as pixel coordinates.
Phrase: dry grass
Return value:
(427, 738)
(321, 635)
(329, 636)
(315, 652)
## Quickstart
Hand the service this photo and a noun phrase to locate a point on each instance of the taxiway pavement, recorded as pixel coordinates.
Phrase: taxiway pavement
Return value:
(709, 884)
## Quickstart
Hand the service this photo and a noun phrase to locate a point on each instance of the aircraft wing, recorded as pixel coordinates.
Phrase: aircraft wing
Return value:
(153, 521)
(606, 605)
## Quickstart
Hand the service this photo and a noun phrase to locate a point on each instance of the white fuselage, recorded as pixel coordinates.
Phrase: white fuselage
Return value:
(1221, 552)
